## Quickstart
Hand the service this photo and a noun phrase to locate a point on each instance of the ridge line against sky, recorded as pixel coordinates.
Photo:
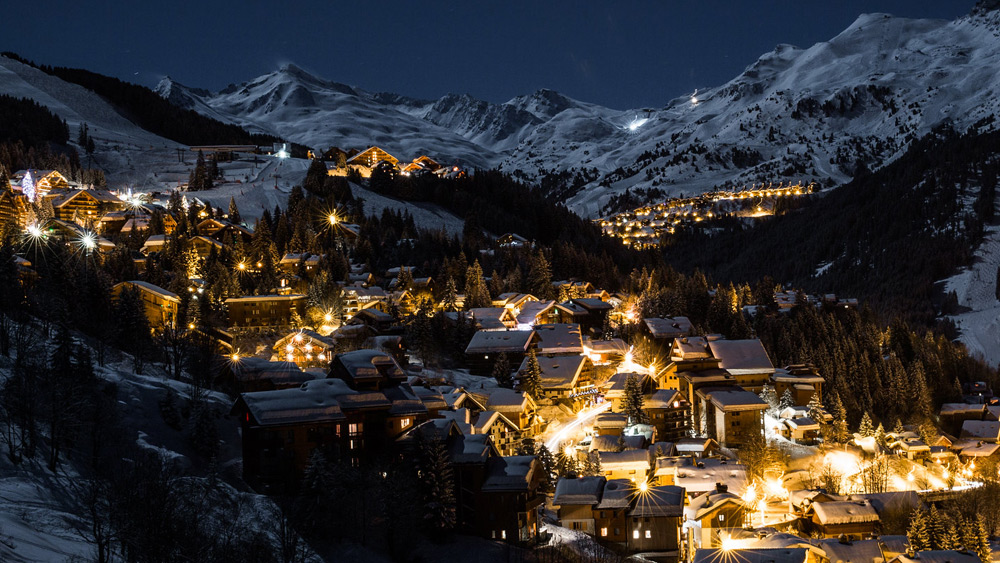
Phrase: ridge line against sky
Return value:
(621, 55)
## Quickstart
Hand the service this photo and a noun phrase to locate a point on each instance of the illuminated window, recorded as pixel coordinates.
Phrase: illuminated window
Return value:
(604, 532)
(503, 534)
(635, 534)
(648, 534)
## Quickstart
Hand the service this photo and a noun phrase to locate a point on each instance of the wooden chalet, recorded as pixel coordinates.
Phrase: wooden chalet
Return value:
(655, 521)
(265, 311)
(35, 184)
(855, 519)
(83, 207)
(305, 348)
(712, 516)
(746, 360)
(487, 345)
(801, 381)
(732, 415)
(566, 380)
(365, 162)
(669, 414)
(161, 306)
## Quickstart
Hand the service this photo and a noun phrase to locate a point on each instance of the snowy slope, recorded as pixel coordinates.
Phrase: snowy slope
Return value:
(976, 289)
(795, 114)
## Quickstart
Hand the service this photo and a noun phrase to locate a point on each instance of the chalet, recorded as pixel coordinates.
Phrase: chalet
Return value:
(494, 318)
(533, 313)
(35, 184)
(605, 352)
(203, 245)
(596, 313)
(568, 380)
(367, 370)
(800, 429)
(704, 475)
(611, 513)
(281, 429)
(13, 207)
(486, 344)
(516, 406)
(802, 382)
(83, 207)
(305, 348)
(732, 414)
(375, 319)
(746, 360)
(655, 520)
(984, 430)
(513, 240)
(712, 516)
(661, 332)
(633, 465)
(559, 339)
(576, 499)
(854, 519)
(610, 424)
(606, 443)
(365, 162)
(300, 263)
(161, 306)
(72, 234)
(502, 431)
(155, 243)
(217, 228)
(250, 374)
(265, 311)
(669, 414)
(690, 382)
(509, 510)
(421, 165)
(689, 354)
(954, 415)
(514, 300)
(696, 447)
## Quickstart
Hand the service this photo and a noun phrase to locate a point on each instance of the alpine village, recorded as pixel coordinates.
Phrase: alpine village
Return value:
(408, 357)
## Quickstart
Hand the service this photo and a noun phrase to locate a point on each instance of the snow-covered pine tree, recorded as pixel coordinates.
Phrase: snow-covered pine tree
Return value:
(530, 380)
(786, 400)
(815, 408)
(632, 403)
(937, 528)
(982, 540)
(548, 463)
(770, 396)
(866, 428)
(450, 299)
(476, 293)
(917, 533)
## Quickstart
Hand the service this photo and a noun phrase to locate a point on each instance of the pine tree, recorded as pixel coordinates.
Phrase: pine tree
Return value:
(880, 435)
(450, 299)
(234, 212)
(866, 428)
(898, 428)
(405, 279)
(937, 528)
(202, 432)
(632, 403)
(548, 463)
(502, 371)
(199, 179)
(540, 277)
(170, 409)
(917, 533)
(786, 401)
(770, 396)
(565, 465)
(839, 413)
(982, 540)
(434, 472)
(530, 380)
(967, 534)
(476, 294)
(591, 465)
(815, 408)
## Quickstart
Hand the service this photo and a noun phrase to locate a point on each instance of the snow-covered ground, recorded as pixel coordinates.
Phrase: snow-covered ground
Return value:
(425, 216)
(976, 289)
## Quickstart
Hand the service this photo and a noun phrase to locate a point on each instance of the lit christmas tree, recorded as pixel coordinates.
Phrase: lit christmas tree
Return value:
(28, 186)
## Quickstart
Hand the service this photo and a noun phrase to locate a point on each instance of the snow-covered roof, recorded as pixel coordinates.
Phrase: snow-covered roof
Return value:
(668, 327)
(608, 346)
(473, 448)
(693, 445)
(504, 400)
(578, 491)
(938, 556)
(982, 429)
(314, 401)
(780, 555)
(692, 347)
(665, 399)
(979, 449)
(732, 399)
(704, 476)
(514, 341)
(559, 338)
(610, 420)
(666, 500)
(605, 443)
(532, 309)
(844, 512)
(154, 289)
(593, 304)
(850, 552)
(511, 473)
(255, 298)
(708, 503)
(625, 460)
(741, 357)
(617, 494)
(803, 423)
(367, 365)
(558, 372)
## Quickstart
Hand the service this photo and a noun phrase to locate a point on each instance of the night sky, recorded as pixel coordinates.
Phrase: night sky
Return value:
(621, 54)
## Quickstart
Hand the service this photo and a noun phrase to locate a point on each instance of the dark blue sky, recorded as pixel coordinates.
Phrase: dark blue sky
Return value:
(619, 54)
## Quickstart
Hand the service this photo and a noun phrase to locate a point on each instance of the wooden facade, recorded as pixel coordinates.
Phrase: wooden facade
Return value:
(160, 305)
(265, 311)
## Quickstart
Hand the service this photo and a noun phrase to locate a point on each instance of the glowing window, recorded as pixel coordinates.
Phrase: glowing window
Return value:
(604, 532)
(635, 534)
(648, 534)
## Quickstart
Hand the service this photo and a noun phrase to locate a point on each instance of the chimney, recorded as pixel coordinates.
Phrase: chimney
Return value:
(721, 488)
